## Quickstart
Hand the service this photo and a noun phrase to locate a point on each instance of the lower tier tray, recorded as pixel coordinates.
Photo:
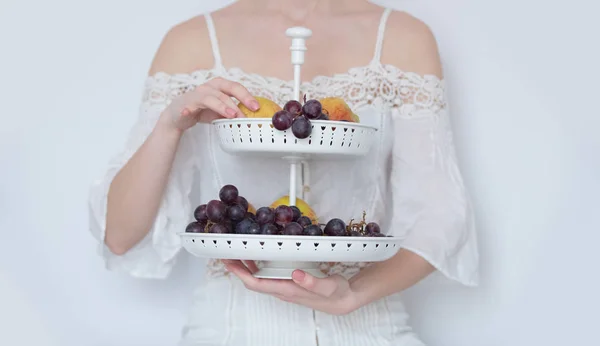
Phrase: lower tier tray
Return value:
(284, 254)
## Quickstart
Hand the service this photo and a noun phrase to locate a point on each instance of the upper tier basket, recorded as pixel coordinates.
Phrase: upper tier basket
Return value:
(258, 136)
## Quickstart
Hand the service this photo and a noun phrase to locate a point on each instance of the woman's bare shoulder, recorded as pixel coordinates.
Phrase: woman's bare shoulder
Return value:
(184, 48)
(411, 45)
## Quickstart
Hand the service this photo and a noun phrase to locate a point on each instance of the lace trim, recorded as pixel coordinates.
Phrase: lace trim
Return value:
(380, 85)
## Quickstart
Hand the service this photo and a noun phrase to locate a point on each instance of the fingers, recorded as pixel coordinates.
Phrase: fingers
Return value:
(278, 288)
(214, 100)
(244, 273)
(236, 266)
(214, 103)
(242, 265)
(329, 295)
(229, 103)
(252, 266)
(236, 90)
(323, 287)
(303, 284)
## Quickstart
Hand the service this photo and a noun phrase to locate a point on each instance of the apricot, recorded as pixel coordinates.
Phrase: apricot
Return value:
(266, 108)
(337, 109)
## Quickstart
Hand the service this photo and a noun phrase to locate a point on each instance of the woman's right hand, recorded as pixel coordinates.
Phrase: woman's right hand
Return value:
(209, 101)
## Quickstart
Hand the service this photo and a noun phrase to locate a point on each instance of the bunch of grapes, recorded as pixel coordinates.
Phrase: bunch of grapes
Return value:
(222, 215)
(283, 220)
(297, 117)
(229, 214)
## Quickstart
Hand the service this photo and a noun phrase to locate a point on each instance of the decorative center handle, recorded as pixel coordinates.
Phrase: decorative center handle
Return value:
(298, 35)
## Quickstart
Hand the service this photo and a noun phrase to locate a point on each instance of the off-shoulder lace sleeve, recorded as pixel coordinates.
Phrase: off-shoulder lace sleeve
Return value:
(155, 255)
(432, 210)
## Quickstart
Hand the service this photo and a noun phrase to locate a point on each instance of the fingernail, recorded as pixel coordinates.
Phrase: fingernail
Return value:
(231, 112)
(255, 105)
(298, 275)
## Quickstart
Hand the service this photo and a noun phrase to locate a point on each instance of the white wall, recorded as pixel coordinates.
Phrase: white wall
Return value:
(524, 84)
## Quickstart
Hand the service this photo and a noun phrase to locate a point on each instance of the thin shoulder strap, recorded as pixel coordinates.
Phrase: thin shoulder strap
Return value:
(213, 40)
(381, 34)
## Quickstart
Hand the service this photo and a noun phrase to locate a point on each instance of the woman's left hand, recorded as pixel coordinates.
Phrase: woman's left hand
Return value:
(332, 295)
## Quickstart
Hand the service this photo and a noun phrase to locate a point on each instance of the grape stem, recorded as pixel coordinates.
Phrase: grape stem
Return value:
(358, 227)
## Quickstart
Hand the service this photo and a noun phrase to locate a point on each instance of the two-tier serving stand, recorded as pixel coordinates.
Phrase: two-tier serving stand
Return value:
(331, 140)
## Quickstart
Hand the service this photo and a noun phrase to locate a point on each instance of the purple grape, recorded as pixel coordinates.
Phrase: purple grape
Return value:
(243, 202)
(229, 194)
(236, 213)
(283, 215)
(313, 230)
(293, 106)
(229, 224)
(250, 216)
(297, 213)
(269, 229)
(200, 213)
(293, 228)
(218, 228)
(253, 228)
(355, 234)
(301, 127)
(216, 211)
(312, 109)
(304, 221)
(323, 116)
(372, 228)
(195, 227)
(335, 228)
(243, 226)
(282, 120)
(376, 235)
(265, 215)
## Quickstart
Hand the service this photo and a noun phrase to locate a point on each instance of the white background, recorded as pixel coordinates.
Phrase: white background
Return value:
(523, 79)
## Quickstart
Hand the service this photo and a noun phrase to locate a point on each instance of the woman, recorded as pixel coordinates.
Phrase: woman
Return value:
(409, 182)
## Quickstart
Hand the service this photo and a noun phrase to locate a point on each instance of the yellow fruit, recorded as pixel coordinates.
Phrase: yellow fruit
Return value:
(337, 109)
(305, 209)
(266, 108)
(251, 208)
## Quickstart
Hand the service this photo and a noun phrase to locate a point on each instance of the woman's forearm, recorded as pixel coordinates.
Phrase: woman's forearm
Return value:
(388, 277)
(135, 193)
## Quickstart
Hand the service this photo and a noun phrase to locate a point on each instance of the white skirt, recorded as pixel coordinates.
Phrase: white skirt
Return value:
(225, 313)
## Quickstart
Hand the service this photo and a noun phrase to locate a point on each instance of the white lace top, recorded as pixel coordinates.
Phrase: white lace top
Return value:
(410, 181)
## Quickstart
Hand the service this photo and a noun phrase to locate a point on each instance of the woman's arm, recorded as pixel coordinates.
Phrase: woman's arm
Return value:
(412, 45)
(382, 279)
(136, 192)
